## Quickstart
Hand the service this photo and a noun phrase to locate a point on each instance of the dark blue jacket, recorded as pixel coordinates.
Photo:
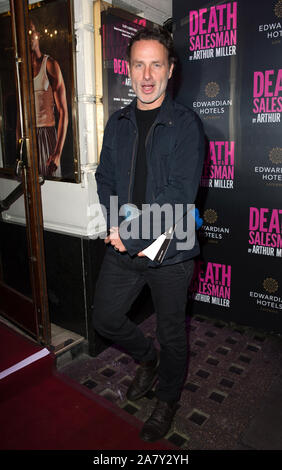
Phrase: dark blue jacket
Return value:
(175, 154)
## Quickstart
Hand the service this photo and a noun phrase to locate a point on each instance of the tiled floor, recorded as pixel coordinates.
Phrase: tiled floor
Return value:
(231, 370)
(63, 339)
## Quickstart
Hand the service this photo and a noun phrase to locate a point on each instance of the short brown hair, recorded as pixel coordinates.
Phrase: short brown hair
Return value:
(157, 33)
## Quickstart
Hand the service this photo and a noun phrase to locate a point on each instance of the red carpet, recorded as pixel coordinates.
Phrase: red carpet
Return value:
(41, 409)
(14, 347)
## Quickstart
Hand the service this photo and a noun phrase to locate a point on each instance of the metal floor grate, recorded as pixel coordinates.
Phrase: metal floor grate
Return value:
(230, 370)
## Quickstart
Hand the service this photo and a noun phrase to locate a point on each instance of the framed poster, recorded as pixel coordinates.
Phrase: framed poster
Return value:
(50, 37)
(117, 27)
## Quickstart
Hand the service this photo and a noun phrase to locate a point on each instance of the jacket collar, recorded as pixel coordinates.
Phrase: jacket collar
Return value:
(165, 116)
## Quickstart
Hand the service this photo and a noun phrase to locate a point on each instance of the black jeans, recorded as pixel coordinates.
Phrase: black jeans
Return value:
(120, 281)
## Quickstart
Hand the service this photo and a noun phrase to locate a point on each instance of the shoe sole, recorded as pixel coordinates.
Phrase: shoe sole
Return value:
(162, 436)
(153, 440)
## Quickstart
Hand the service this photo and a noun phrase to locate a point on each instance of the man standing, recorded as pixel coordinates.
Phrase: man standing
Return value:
(152, 154)
(49, 91)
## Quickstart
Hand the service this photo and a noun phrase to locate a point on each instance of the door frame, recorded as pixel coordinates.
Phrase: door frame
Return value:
(32, 315)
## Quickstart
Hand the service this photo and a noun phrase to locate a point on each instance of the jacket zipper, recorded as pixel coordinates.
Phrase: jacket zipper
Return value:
(149, 132)
(152, 128)
(131, 170)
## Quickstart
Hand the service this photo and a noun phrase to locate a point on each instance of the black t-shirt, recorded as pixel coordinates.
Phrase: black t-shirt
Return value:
(145, 120)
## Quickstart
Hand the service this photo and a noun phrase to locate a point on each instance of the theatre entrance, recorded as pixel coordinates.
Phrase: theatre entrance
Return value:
(23, 286)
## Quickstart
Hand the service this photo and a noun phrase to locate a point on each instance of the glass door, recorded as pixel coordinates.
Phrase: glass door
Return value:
(23, 290)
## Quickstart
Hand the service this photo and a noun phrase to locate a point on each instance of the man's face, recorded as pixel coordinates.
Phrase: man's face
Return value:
(149, 71)
(33, 37)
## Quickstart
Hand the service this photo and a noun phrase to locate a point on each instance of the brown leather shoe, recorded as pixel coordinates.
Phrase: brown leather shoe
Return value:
(159, 423)
(144, 379)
